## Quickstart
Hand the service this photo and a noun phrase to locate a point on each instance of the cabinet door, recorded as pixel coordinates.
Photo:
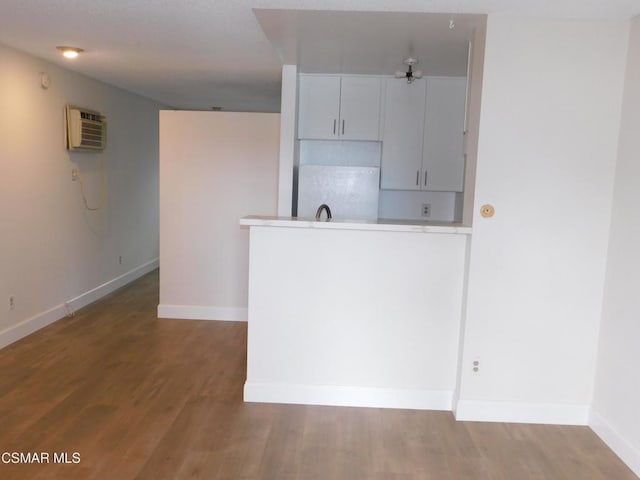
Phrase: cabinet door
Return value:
(443, 156)
(318, 107)
(360, 108)
(402, 132)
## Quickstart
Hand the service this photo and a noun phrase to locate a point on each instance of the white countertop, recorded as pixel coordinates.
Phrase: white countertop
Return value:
(381, 225)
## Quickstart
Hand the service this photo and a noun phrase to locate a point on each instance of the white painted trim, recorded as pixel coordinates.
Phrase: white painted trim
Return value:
(41, 320)
(512, 412)
(201, 312)
(628, 453)
(112, 285)
(344, 396)
(31, 325)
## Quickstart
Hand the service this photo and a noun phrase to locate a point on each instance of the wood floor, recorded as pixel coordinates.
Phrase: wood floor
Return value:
(143, 398)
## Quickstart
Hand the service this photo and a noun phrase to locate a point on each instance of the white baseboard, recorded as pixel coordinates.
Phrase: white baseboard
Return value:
(512, 412)
(201, 312)
(628, 453)
(41, 320)
(415, 399)
(112, 285)
(31, 325)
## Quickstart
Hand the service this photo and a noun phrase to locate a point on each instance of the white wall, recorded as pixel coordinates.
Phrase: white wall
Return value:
(215, 167)
(53, 250)
(551, 103)
(617, 392)
(376, 324)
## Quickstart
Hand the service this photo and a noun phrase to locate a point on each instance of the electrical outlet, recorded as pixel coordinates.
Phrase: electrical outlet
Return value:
(12, 302)
(426, 210)
(74, 174)
(120, 259)
(476, 366)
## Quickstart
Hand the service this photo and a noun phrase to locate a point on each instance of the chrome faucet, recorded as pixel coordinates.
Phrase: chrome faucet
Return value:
(326, 208)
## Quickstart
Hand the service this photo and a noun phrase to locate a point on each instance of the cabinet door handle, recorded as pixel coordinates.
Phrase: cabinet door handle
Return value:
(342, 126)
(417, 178)
(425, 178)
(334, 126)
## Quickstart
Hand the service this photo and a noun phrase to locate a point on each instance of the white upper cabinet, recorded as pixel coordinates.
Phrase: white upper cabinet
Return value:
(360, 108)
(403, 127)
(318, 107)
(422, 137)
(442, 155)
(333, 107)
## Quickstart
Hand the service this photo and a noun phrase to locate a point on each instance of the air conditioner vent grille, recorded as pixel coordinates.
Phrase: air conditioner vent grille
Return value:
(90, 116)
(86, 129)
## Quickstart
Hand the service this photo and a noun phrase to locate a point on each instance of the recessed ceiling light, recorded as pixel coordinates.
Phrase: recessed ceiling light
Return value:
(70, 52)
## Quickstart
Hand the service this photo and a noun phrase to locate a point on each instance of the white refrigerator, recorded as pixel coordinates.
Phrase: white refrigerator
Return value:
(350, 192)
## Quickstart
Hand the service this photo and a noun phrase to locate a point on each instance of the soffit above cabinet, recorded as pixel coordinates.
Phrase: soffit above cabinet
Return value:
(370, 43)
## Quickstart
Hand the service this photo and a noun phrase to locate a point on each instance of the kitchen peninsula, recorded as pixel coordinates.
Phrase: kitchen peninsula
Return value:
(361, 313)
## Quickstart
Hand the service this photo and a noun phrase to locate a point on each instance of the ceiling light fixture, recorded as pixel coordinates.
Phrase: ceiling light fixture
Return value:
(70, 52)
(410, 75)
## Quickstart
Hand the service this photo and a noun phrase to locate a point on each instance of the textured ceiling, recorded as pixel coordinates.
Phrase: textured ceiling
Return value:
(195, 54)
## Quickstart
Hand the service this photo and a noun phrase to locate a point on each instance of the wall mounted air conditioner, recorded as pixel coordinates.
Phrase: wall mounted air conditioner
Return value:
(86, 129)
